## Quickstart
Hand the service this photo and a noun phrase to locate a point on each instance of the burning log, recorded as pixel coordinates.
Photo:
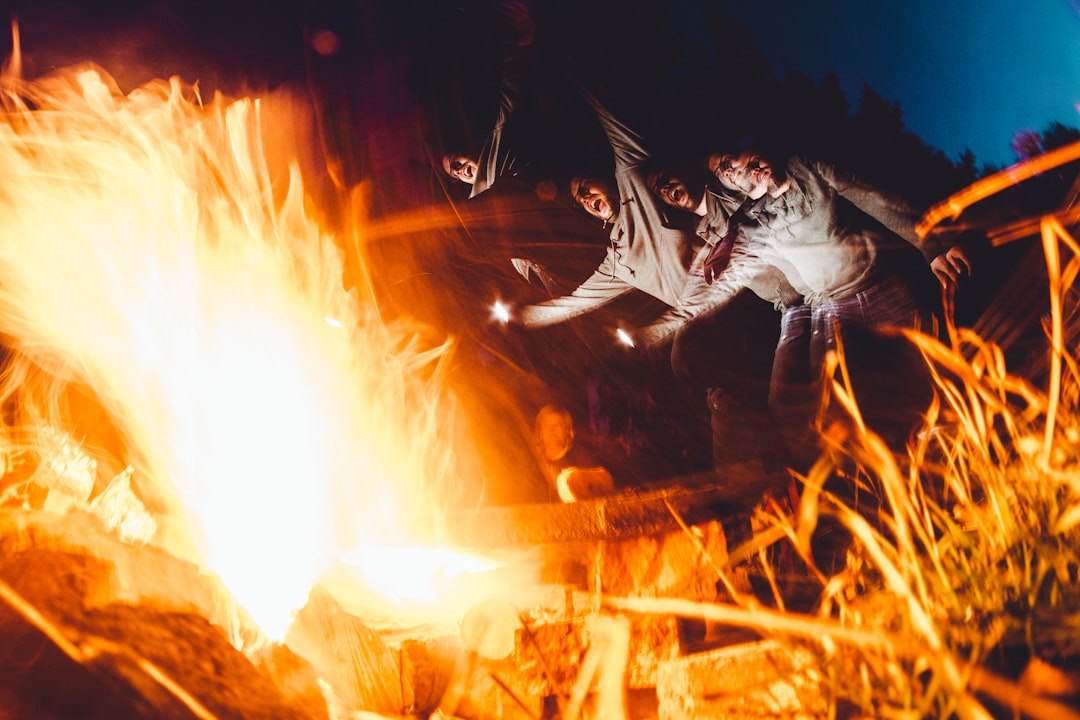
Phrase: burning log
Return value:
(93, 636)
(752, 680)
(364, 672)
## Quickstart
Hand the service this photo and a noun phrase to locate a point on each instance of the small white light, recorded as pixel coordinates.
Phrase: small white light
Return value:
(500, 312)
(332, 322)
(625, 338)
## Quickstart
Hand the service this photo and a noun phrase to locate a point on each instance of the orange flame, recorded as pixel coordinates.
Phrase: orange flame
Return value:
(275, 424)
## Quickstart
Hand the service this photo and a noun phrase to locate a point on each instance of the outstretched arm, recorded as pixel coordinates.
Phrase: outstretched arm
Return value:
(700, 295)
(598, 290)
(947, 261)
(892, 211)
(497, 157)
(628, 147)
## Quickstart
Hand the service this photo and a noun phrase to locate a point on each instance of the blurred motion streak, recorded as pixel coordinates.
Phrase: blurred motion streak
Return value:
(160, 268)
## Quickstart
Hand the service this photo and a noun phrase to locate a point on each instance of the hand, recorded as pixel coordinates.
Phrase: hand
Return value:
(950, 265)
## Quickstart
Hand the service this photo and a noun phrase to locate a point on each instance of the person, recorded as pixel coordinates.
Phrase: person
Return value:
(722, 268)
(726, 322)
(647, 250)
(546, 244)
(851, 250)
(571, 471)
(498, 156)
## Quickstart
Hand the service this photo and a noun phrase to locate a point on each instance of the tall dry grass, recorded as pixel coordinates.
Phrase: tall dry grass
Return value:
(960, 553)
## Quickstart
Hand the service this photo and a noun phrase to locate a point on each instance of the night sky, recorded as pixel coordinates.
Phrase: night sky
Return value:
(966, 73)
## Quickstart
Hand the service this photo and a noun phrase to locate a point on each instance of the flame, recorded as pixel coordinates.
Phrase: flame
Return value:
(274, 423)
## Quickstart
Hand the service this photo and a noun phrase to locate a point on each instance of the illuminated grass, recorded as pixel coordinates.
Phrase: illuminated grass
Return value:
(963, 565)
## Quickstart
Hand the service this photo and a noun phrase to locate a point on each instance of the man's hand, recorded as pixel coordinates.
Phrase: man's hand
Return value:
(950, 265)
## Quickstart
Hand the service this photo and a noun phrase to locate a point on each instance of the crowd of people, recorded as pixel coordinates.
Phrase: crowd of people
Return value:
(764, 265)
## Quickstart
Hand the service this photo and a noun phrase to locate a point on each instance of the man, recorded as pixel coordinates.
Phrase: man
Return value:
(571, 471)
(725, 329)
(647, 251)
(722, 269)
(498, 156)
(516, 160)
(852, 253)
(812, 194)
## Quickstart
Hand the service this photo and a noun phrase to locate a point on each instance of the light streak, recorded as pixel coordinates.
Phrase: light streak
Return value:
(184, 282)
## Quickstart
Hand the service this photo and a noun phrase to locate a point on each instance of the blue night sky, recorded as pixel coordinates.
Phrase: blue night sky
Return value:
(966, 73)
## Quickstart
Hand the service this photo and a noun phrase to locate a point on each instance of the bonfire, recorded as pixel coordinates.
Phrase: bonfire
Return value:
(225, 477)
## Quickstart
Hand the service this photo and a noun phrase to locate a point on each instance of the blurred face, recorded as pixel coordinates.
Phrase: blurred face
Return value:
(747, 173)
(460, 167)
(555, 434)
(595, 196)
(673, 191)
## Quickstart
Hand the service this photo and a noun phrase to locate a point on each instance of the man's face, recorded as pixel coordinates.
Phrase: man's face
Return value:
(746, 173)
(556, 433)
(673, 191)
(595, 196)
(460, 167)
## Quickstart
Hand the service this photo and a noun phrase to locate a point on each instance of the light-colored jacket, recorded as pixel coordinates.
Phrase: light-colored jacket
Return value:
(751, 266)
(835, 231)
(646, 252)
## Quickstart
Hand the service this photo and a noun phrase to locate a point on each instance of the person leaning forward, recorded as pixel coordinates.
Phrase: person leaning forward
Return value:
(855, 258)
(726, 338)
(647, 250)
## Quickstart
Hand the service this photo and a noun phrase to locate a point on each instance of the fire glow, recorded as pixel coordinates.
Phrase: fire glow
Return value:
(273, 422)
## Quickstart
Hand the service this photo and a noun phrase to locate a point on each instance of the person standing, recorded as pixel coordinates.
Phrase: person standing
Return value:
(855, 258)
(725, 329)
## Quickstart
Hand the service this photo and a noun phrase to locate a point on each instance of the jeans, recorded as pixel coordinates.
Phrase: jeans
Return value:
(888, 375)
(747, 360)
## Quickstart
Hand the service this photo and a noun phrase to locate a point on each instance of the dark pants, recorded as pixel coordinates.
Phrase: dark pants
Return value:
(745, 354)
(795, 387)
(888, 375)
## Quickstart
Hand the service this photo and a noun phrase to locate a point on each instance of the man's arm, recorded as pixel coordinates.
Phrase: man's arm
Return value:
(598, 290)
(890, 210)
(496, 158)
(947, 259)
(627, 146)
(700, 296)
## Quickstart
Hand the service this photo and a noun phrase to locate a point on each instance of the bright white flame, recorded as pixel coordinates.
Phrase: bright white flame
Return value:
(415, 574)
(150, 253)
(624, 337)
(500, 312)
